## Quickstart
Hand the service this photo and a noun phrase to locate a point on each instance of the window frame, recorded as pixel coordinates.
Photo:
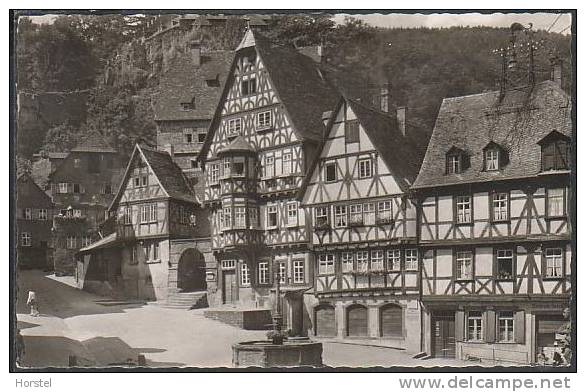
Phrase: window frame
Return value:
(453, 163)
(369, 214)
(264, 276)
(562, 258)
(355, 217)
(493, 199)
(457, 203)
(266, 166)
(361, 163)
(393, 256)
(457, 259)
(264, 120)
(563, 196)
(244, 275)
(347, 258)
(496, 157)
(512, 257)
(292, 220)
(234, 127)
(509, 320)
(327, 165)
(352, 131)
(239, 217)
(340, 213)
(479, 326)
(411, 258)
(380, 219)
(28, 213)
(26, 239)
(325, 266)
(377, 256)
(287, 164)
(272, 209)
(298, 271)
(214, 173)
(43, 214)
(321, 216)
(362, 261)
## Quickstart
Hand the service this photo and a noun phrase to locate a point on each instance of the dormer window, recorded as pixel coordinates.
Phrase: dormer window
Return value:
(491, 159)
(456, 161)
(187, 106)
(495, 157)
(555, 152)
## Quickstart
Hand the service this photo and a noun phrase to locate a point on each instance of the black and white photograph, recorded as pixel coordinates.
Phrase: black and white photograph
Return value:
(321, 190)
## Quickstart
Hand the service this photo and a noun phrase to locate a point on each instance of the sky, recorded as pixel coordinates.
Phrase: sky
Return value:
(541, 21)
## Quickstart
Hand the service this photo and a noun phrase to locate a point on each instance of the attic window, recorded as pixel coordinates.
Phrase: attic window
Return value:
(555, 152)
(249, 86)
(351, 128)
(495, 157)
(187, 106)
(454, 164)
(213, 80)
(456, 161)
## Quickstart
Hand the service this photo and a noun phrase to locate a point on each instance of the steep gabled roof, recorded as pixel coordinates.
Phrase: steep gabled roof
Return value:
(517, 122)
(185, 82)
(305, 88)
(93, 143)
(401, 153)
(169, 175)
(33, 196)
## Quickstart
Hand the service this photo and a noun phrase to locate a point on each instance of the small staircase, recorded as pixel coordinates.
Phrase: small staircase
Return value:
(187, 301)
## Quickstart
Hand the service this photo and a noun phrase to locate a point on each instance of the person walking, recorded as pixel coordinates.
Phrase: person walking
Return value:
(32, 302)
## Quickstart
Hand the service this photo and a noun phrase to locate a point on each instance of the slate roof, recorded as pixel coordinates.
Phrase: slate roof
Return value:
(517, 123)
(306, 89)
(93, 143)
(169, 174)
(183, 79)
(172, 179)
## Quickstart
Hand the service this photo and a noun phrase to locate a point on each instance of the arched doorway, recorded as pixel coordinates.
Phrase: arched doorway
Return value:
(391, 321)
(325, 320)
(357, 320)
(191, 271)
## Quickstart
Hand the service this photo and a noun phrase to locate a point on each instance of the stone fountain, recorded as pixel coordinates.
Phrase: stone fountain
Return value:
(278, 350)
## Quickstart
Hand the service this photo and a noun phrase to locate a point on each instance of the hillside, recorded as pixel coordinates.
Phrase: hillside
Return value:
(422, 66)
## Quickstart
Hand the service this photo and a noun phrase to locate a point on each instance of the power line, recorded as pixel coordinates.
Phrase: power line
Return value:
(559, 32)
(554, 22)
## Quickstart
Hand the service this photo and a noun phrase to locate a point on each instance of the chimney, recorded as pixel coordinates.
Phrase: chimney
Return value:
(556, 71)
(170, 150)
(401, 119)
(195, 49)
(384, 97)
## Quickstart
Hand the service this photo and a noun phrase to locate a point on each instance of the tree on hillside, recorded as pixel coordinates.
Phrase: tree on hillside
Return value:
(62, 138)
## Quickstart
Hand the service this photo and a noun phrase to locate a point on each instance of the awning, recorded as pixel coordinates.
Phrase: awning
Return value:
(107, 242)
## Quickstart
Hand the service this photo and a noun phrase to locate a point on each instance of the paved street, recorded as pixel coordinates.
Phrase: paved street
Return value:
(71, 323)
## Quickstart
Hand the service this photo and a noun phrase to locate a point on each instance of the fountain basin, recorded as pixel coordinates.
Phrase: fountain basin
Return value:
(263, 353)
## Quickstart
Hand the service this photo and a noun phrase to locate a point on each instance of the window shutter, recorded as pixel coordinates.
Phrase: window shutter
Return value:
(520, 327)
(489, 327)
(459, 327)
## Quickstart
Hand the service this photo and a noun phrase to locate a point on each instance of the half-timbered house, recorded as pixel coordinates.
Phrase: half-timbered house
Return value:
(159, 232)
(34, 217)
(364, 235)
(494, 226)
(261, 142)
(82, 187)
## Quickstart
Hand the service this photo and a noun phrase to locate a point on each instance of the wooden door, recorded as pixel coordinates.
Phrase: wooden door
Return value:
(325, 321)
(391, 321)
(229, 287)
(357, 321)
(444, 335)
